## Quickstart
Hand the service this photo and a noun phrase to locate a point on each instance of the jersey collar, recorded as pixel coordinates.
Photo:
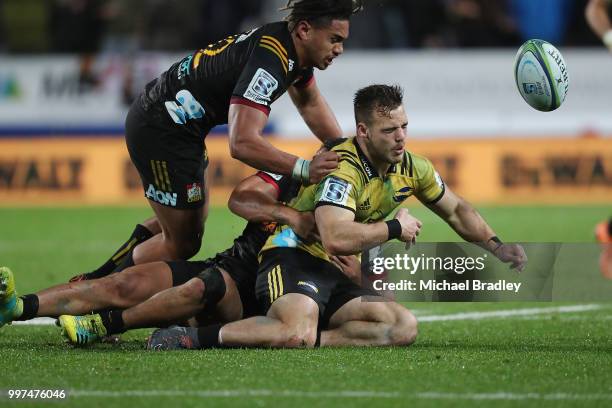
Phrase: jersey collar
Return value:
(370, 171)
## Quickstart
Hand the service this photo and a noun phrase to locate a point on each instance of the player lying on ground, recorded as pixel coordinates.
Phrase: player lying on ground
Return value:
(253, 199)
(234, 81)
(228, 278)
(297, 285)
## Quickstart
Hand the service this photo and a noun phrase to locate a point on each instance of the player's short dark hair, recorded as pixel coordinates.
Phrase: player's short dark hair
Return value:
(380, 98)
(320, 13)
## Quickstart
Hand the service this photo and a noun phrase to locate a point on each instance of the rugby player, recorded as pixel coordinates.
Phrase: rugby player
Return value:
(597, 15)
(223, 285)
(233, 81)
(298, 287)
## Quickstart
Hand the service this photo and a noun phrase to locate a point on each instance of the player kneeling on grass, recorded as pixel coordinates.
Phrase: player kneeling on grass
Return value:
(300, 289)
(222, 286)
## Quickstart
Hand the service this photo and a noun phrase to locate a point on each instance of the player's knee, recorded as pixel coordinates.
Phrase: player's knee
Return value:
(405, 329)
(214, 286)
(193, 290)
(298, 337)
(185, 247)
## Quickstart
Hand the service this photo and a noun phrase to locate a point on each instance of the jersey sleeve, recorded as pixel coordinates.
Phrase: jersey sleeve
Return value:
(305, 79)
(286, 188)
(430, 186)
(341, 188)
(264, 78)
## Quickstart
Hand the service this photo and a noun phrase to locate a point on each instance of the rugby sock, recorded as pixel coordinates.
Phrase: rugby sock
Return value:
(139, 235)
(126, 262)
(113, 321)
(29, 306)
(208, 336)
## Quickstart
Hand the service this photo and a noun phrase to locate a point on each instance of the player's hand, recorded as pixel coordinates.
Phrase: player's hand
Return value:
(350, 266)
(411, 226)
(321, 165)
(305, 227)
(512, 253)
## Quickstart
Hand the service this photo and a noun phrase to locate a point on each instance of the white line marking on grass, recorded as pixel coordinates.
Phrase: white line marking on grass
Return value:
(44, 321)
(39, 321)
(504, 396)
(509, 313)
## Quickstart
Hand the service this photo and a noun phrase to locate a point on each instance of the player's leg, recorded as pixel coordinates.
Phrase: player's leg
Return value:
(143, 231)
(181, 237)
(171, 163)
(603, 233)
(213, 288)
(290, 296)
(198, 287)
(370, 322)
(291, 322)
(123, 290)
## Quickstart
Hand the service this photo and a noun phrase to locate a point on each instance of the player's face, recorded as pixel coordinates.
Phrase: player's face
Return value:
(387, 136)
(327, 43)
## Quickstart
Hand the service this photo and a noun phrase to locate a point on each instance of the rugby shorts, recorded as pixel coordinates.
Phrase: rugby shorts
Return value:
(171, 161)
(290, 270)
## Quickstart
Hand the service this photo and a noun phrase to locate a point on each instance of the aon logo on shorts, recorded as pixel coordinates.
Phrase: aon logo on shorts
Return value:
(161, 197)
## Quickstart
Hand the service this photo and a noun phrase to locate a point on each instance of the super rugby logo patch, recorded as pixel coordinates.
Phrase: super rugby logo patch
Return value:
(262, 87)
(336, 191)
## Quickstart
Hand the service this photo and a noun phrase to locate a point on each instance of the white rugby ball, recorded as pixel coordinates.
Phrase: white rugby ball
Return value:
(541, 75)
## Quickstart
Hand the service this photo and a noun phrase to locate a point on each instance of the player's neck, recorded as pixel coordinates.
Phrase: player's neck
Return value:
(381, 167)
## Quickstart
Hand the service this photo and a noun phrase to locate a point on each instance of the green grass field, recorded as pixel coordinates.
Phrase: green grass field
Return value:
(494, 354)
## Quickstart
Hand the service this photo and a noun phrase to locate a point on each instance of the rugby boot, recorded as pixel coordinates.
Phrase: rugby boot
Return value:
(10, 306)
(82, 330)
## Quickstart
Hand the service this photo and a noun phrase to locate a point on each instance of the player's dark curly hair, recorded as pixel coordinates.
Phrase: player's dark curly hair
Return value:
(321, 12)
(380, 98)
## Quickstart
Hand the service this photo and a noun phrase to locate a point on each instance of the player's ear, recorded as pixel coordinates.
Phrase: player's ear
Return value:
(362, 130)
(303, 30)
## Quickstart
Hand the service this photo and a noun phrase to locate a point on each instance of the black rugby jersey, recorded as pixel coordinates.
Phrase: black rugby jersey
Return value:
(247, 246)
(253, 68)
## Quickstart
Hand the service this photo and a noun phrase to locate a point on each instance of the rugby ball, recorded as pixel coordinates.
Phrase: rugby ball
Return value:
(541, 75)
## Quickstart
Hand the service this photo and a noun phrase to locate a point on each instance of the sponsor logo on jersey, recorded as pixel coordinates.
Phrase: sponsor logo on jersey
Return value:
(336, 191)
(367, 168)
(194, 192)
(161, 197)
(262, 87)
(291, 65)
(402, 194)
(309, 285)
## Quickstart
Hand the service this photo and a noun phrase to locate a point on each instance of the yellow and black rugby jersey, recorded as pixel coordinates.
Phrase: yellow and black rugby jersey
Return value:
(253, 68)
(357, 187)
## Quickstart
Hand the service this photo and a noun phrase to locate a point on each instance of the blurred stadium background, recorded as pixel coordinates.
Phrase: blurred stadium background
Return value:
(70, 68)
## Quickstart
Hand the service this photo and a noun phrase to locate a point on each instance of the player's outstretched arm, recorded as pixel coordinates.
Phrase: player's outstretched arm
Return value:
(469, 224)
(315, 111)
(341, 235)
(257, 201)
(248, 145)
(596, 14)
